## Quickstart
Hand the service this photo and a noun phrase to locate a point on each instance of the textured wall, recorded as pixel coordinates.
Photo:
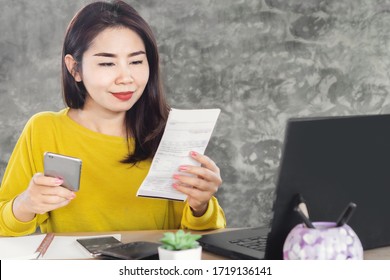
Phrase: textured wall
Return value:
(260, 61)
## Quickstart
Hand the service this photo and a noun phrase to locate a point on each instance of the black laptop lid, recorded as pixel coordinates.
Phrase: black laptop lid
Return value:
(334, 161)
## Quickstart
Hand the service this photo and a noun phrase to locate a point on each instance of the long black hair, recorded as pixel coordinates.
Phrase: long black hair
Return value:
(146, 120)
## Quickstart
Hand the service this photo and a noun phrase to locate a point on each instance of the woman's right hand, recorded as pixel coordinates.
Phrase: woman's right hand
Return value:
(42, 195)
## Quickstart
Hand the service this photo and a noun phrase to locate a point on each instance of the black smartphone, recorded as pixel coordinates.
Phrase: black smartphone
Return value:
(64, 167)
(138, 250)
(94, 245)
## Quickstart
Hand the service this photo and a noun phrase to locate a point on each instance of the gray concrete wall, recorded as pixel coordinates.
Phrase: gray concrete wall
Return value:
(260, 61)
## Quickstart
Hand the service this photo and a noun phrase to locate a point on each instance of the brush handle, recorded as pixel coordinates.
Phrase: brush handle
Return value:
(346, 215)
(305, 219)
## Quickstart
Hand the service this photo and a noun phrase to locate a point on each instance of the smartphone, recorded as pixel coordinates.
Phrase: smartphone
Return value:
(63, 167)
(94, 245)
(138, 250)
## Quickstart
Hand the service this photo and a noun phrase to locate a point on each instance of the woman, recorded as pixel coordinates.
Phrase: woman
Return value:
(114, 121)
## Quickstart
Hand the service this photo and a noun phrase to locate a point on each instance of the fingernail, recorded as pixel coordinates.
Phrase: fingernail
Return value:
(58, 181)
(194, 154)
(175, 176)
(183, 167)
(174, 186)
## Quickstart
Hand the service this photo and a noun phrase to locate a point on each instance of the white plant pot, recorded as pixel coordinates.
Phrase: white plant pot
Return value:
(190, 254)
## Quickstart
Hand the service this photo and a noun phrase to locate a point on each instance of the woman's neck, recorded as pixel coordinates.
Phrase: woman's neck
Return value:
(102, 122)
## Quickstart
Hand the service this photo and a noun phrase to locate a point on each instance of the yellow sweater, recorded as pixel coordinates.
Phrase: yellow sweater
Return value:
(107, 198)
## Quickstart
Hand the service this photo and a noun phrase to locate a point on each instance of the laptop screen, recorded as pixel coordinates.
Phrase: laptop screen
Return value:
(333, 161)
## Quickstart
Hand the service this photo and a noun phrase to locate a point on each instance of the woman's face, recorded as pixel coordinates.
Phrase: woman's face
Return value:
(115, 70)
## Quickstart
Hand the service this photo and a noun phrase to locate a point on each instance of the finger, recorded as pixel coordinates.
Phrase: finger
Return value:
(54, 199)
(199, 171)
(192, 192)
(41, 203)
(42, 180)
(197, 183)
(59, 192)
(205, 161)
(51, 186)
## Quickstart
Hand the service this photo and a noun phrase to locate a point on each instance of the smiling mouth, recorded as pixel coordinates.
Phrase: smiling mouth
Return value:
(124, 96)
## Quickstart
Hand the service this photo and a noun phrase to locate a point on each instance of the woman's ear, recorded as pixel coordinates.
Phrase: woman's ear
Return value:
(71, 65)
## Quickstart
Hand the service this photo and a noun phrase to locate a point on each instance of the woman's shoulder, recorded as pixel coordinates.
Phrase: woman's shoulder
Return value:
(47, 117)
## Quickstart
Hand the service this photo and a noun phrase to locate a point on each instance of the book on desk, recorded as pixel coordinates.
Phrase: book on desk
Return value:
(44, 246)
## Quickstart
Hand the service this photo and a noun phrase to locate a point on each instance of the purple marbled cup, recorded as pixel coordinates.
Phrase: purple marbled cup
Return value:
(324, 242)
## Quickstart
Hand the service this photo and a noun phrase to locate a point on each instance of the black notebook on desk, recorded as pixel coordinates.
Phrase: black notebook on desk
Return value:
(331, 161)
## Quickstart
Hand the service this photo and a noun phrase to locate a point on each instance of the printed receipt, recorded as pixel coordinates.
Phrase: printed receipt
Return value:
(186, 131)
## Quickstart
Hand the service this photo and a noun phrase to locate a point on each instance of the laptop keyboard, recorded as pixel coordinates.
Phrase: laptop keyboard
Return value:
(257, 243)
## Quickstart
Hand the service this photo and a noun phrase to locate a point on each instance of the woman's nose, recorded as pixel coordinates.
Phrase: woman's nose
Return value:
(125, 75)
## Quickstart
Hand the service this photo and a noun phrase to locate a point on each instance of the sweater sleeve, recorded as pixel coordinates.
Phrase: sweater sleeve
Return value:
(214, 217)
(19, 171)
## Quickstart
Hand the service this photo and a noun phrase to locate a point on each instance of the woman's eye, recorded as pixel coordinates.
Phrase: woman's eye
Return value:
(106, 64)
(136, 62)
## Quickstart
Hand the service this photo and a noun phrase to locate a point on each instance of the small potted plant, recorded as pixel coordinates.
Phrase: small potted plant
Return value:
(180, 246)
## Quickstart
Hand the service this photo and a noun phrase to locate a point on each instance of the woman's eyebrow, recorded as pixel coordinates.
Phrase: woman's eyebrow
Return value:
(114, 55)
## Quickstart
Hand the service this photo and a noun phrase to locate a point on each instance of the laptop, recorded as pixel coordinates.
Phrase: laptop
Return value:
(330, 161)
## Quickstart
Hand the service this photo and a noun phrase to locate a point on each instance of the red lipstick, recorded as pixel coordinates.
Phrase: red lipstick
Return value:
(124, 96)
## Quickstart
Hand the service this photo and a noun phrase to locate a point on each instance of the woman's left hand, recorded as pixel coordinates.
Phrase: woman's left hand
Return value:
(201, 187)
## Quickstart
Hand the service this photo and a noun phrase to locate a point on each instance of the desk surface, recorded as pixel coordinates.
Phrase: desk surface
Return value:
(377, 254)
(155, 235)
(148, 235)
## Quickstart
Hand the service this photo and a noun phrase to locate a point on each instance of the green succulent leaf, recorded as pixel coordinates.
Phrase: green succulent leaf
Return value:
(179, 240)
